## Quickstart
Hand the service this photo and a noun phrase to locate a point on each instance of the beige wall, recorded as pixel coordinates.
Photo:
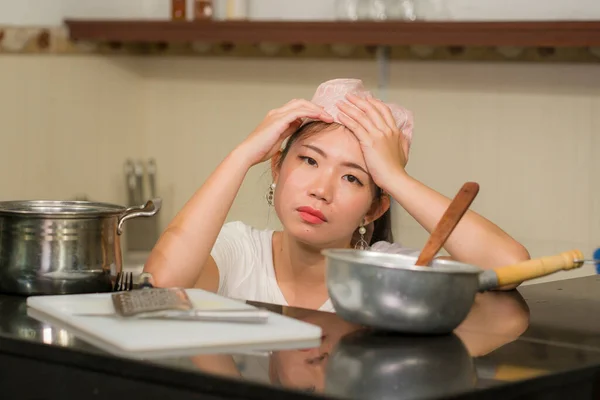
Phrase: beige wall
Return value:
(66, 125)
(526, 132)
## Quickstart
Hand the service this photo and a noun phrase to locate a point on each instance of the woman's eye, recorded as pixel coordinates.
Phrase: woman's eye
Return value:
(308, 160)
(353, 179)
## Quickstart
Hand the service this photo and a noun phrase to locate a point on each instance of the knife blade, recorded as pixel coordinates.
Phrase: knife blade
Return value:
(232, 315)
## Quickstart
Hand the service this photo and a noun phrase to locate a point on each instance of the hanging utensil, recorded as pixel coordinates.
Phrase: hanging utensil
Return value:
(129, 170)
(139, 182)
(458, 207)
(151, 169)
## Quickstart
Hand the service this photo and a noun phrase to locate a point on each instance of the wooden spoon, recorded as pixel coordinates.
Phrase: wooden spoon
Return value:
(459, 206)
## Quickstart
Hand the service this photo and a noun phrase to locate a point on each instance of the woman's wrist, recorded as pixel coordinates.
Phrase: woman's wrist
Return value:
(396, 182)
(242, 156)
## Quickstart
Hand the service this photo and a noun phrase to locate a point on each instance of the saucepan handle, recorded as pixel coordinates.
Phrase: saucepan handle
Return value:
(147, 210)
(531, 269)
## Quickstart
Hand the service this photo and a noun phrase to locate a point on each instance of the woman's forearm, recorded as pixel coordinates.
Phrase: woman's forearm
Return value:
(475, 240)
(185, 245)
(504, 316)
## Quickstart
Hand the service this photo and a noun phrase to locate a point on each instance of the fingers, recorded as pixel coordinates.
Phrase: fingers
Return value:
(389, 118)
(301, 104)
(362, 119)
(295, 103)
(349, 117)
(306, 112)
(384, 111)
(372, 113)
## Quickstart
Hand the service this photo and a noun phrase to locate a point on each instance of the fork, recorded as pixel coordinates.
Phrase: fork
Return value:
(124, 282)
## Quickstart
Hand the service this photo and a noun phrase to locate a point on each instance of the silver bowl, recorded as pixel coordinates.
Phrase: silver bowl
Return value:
(387, 291)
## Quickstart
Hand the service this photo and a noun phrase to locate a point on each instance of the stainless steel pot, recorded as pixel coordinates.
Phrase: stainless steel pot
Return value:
(62, 247)
(388, 291)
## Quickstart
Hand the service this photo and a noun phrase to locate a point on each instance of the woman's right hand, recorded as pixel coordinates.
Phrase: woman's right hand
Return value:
(278, 125)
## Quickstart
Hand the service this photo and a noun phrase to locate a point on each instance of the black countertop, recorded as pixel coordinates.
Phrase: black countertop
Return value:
(541, 341)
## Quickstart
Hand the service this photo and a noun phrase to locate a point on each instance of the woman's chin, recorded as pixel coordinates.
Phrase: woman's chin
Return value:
(313, 236)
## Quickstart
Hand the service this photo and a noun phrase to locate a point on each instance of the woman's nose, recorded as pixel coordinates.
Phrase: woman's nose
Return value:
(321, 188)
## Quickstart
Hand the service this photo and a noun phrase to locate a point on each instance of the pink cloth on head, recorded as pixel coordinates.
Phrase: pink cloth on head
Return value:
(330, 92)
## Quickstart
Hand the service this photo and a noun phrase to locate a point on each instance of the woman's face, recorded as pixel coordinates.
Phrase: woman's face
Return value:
(323, 188)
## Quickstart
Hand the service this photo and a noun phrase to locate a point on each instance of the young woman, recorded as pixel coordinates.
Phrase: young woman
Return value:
(332, 182)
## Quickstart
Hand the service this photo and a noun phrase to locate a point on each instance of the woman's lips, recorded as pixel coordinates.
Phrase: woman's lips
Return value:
(311, 215)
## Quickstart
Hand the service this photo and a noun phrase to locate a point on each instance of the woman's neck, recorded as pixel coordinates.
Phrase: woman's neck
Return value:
(298, 261)
(300, 271)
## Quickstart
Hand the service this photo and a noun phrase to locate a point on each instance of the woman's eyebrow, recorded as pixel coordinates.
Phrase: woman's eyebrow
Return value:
(324, 155)
(315, 148)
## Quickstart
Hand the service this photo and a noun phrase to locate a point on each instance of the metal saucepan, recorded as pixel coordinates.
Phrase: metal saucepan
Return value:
(62, 247)
(373, 365)
(388, 291)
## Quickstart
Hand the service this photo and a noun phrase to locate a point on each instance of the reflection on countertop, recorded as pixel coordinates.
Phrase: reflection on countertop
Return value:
(500, 343)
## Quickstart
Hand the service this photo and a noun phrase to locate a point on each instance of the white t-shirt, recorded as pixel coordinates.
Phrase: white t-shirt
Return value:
(244, 257)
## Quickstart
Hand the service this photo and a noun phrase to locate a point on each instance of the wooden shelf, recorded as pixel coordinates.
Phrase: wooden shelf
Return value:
(369, 33)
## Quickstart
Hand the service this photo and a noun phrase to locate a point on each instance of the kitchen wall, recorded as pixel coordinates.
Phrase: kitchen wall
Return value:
(67, 124)
(526, 132)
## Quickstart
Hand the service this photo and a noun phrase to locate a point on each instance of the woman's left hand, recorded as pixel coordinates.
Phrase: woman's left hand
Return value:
(383, 145)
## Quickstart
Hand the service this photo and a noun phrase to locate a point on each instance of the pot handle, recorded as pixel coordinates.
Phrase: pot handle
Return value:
(530, 269)
(149, 209)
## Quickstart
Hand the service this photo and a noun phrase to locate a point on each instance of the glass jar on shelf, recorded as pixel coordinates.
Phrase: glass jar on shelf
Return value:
(364, 9)
(375, 10)
(178, 10)
(346, 10)
(433, 10)
(401, 10)
(203, 9)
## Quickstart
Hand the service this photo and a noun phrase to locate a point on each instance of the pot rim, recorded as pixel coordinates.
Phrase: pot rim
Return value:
(370, 258)
(59, 208)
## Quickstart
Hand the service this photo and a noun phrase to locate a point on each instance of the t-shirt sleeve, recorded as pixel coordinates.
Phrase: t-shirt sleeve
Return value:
(228, 253)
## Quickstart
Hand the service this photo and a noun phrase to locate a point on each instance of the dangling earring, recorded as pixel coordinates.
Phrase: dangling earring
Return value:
(271, 194)
(362, 244)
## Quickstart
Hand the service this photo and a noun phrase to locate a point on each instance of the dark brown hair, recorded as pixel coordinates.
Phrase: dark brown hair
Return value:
(382, 227)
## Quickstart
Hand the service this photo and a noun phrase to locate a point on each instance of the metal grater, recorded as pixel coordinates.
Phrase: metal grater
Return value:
(138, 302)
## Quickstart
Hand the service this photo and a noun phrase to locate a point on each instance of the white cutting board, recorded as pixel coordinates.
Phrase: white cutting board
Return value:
(161, 338)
